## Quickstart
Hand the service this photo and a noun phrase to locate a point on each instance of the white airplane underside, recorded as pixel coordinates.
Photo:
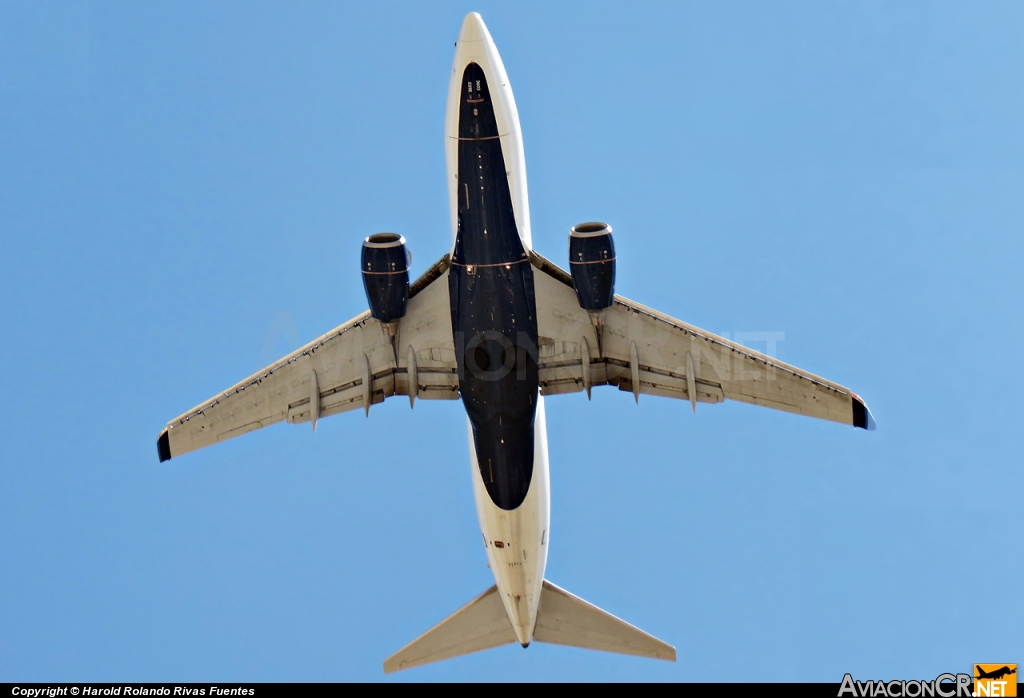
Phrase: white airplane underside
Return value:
(499, 326)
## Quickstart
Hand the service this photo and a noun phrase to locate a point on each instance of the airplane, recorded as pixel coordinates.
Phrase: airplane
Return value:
(501, 327)
(996, 674)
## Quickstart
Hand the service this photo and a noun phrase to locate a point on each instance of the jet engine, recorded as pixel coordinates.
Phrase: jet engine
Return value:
(385, 265)
(592, 263)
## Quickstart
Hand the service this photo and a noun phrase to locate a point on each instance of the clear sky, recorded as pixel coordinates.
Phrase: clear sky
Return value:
(183, 191)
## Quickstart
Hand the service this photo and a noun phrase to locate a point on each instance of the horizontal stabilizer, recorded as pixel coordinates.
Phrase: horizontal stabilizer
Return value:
(479, 625)
(564, 619)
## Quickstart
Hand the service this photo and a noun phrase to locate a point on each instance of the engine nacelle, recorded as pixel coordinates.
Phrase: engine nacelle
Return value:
(385, 266)
(592, 263)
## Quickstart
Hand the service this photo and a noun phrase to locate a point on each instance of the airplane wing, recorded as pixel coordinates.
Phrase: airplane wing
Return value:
(645, 352)
(352, 366)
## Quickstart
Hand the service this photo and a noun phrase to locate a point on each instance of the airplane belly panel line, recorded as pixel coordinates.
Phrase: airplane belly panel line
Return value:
(500, 327)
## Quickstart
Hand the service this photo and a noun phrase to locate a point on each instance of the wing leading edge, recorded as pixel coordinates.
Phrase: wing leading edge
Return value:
(354, 365)
(646, 352)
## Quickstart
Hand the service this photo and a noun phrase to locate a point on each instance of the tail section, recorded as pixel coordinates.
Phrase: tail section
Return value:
(564, 619)
(479, 625)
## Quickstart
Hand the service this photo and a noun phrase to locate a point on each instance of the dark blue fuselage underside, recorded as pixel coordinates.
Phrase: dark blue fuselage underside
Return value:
(493, 306)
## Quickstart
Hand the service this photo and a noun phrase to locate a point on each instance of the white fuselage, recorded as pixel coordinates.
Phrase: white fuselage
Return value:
(517, 540)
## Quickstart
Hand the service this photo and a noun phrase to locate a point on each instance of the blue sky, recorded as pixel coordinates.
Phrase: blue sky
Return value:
(183, 191)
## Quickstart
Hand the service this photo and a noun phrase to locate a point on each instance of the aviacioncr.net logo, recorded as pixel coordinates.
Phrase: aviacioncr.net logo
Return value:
(943, 686)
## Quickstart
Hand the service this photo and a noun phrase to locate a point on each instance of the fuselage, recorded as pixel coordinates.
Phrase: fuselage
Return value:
(494, 321)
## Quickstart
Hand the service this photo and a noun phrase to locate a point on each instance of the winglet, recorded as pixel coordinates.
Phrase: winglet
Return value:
(861, 414)
(163, 446)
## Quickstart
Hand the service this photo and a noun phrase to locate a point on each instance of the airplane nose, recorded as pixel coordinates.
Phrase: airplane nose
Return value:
(473, 29)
